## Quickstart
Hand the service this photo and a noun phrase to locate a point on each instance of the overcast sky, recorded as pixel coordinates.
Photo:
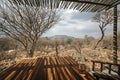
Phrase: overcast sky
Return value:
(77, 24)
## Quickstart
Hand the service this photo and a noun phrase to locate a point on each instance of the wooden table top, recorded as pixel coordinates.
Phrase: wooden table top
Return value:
(45, 68)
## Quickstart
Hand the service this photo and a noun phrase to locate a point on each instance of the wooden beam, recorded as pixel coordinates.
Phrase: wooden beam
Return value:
(115, 36)
(89, 2)
(115, 4)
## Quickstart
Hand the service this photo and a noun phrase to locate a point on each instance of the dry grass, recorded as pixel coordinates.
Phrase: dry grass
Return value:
(9, 58)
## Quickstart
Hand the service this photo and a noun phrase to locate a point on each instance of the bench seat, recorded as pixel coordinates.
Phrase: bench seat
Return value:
(105, 76)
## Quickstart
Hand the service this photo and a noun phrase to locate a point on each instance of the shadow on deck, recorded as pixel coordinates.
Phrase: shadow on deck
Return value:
(46, 68)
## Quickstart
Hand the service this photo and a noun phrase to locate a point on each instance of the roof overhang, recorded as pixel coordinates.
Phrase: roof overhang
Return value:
(81, 5)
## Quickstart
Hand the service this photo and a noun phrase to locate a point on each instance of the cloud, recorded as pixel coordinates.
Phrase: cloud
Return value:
(78, 25)
(82, 16)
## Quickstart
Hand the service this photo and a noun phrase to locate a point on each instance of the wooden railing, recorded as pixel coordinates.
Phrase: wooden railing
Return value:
(109, 67)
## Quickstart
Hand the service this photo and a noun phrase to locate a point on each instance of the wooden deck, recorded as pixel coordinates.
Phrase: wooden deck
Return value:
(45, 68)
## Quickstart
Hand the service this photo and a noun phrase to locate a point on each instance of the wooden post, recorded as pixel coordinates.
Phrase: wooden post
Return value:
(119, 70)
(115, 36)
(93, 68)
(101, 69)
(109, 69)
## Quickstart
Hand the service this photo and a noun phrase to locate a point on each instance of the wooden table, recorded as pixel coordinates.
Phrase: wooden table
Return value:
(45, 68)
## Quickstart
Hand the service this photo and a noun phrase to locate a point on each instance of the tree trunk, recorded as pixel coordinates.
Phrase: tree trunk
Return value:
(56, 48)
(32, 50)
(102, 31)
(31, 53)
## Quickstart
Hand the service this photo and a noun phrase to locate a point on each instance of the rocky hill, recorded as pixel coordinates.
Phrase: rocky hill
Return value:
(61, 37)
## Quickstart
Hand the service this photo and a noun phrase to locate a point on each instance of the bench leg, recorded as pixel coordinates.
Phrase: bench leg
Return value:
(97, 78)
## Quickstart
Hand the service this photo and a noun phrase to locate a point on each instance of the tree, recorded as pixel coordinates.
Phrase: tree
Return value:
(107, 43)
(103, 18)
(88, 39)
(26, 23)
(6, 44)
(56, 47)
(69, 41)
(77, 45)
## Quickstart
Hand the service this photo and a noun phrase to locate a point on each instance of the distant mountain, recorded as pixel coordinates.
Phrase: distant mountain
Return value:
(61, 37)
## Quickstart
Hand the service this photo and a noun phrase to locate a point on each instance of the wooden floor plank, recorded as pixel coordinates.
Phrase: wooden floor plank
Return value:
(63, 70)
(26, 72)
(37, 70)
(23, 70)
(9, 70)
(59, 69)
(69, 71)
(44, 68)
(32, 69)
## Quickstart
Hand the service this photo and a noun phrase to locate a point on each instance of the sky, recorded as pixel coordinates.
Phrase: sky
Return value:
(77, 24)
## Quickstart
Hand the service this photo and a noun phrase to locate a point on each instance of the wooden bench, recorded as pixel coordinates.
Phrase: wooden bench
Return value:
(107, 76)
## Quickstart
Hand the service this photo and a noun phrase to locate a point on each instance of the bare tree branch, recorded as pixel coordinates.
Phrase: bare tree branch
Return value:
(104, 18)
(26, 23)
